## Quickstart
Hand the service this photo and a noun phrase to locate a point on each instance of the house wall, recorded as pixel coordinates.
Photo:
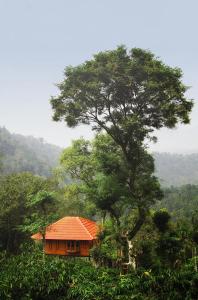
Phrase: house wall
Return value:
(68, 248)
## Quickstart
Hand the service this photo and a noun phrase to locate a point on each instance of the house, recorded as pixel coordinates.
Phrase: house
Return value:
(70, 236)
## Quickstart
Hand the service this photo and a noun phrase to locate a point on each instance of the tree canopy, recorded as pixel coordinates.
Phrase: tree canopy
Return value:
(128, 94)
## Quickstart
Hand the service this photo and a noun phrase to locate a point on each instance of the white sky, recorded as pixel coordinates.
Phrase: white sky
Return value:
(39, 38)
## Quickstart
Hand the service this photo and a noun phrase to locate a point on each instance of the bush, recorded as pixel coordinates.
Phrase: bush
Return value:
(34, 276)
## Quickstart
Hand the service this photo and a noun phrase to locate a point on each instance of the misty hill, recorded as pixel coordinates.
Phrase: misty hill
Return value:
(181, 202)
(20, 153)
(176, 169)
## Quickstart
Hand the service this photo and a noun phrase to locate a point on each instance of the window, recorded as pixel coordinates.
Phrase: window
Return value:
(77, 245)
(50, 244)
(65, 244)
(72, 245)
(57, 244)
(84, 243)
(68, 244)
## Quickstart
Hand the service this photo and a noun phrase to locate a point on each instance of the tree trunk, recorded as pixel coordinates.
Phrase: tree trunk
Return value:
(130, 256)
(194, 252)
(140, 221)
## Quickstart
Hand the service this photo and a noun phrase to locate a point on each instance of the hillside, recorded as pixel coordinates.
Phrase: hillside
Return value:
(25, 153)
(176, 169)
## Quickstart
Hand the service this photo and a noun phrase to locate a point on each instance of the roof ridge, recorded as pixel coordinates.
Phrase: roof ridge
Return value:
(86, 219)
(84, 227)
(62, 219)
(51, 224)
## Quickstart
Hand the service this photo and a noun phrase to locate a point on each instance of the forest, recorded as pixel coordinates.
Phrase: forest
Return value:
(148, 238)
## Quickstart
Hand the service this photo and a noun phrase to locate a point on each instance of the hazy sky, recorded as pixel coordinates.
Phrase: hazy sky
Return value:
(39, 38)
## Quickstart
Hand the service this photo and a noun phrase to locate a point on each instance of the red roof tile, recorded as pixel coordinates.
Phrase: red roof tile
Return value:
(70, 228)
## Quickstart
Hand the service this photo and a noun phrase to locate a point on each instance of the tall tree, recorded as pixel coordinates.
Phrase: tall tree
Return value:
(128, 95)
(23, 196)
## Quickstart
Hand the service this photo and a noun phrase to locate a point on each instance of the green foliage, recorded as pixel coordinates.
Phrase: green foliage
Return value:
(104, 254)
(146, 257)
(169, 249)
(122, 89)
(73, 202)
(28, 276)
(23, 200)
(41, 212)
(107, 252)
(195, 236)
(103, 177)
(161, 219)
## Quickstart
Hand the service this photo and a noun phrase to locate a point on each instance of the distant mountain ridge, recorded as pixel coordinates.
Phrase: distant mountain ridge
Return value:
(27, 154)
(176, 169)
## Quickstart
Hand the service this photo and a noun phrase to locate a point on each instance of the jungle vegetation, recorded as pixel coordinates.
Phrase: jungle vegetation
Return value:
(148, 241)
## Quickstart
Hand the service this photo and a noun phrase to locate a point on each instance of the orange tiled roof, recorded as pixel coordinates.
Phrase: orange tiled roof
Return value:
(70, 228)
